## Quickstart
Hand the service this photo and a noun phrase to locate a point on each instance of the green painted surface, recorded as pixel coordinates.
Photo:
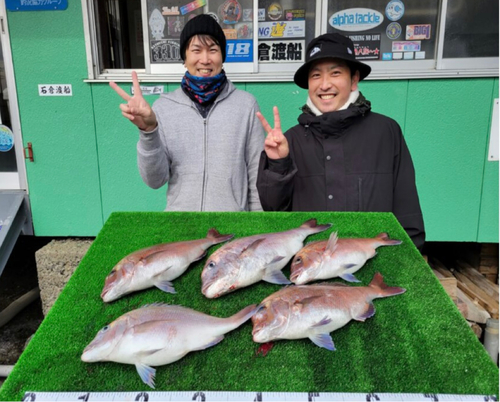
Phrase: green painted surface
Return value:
(122, 188)
(85, 152)
(446, 127)
(488, 218)
(49, 48)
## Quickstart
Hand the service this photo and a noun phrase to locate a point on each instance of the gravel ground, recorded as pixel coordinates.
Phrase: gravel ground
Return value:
(19, 277)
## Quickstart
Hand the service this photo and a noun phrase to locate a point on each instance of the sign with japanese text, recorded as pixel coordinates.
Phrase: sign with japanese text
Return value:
(55, 90)
(36, 5)
(281, 51)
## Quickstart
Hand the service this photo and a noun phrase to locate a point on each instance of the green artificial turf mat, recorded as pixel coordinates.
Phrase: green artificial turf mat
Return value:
(416, 342)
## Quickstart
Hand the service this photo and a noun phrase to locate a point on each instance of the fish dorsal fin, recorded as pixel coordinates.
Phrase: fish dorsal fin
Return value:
(146, 373)
(323, 341)
(251, 247)
(331, 246)
(214, 235)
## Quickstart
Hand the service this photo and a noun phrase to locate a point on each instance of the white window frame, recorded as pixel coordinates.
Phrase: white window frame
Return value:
(283, 72)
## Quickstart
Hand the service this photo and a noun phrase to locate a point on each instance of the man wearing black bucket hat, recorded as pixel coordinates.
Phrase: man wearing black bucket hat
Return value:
(203, 139)
(341, 156)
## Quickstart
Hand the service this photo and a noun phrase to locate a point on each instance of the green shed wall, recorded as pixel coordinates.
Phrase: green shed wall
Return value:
(85, 152)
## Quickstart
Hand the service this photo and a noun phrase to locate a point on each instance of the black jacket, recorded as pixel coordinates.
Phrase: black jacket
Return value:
(348, 160)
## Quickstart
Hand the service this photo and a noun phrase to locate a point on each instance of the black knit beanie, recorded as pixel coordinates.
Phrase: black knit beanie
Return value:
(203, 24)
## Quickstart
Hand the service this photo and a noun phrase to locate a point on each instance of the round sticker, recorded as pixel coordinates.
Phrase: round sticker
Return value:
(6, 139)
(393, 30)
(275, 11)
(230, 12)
(395, 10)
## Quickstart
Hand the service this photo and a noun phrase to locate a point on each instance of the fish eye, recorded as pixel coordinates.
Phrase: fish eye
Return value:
(211, 264)
(298, 260)
(104, 329)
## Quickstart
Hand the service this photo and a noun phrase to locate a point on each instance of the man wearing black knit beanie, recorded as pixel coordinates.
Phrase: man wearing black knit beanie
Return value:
(203, 139)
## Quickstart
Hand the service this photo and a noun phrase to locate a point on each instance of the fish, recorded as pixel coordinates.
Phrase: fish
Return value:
(157, 266)
(313, 311)
(159, 334)
(335, 257)
(248, 260)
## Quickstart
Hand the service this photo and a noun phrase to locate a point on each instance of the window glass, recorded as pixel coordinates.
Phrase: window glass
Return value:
(471, 29)
(166, 19)
(387, 30)
(119, 34)
(285, 29)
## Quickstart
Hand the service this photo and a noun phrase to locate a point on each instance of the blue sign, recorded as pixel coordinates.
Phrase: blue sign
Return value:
(36, 5)
(239, 51)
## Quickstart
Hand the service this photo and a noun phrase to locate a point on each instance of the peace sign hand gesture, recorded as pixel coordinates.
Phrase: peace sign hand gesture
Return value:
(137, 110)
(276, 145)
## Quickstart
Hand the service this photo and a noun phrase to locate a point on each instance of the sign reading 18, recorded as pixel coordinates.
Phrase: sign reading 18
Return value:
(238, 48)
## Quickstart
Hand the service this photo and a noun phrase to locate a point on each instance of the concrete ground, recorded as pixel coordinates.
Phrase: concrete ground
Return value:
(19, 277)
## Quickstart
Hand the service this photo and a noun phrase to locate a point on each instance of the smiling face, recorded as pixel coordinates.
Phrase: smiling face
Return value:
(330, 84)
(203, 57)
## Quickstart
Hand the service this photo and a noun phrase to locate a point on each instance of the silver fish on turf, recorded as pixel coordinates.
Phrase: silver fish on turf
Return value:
(245, 261)
(157, 266)
(335, 258)
(313, 311)
(159, 334)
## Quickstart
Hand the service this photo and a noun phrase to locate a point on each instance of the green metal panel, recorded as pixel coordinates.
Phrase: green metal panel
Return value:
(488, 218)
(446, 126)
(288, 97)
(48, 47)
(122, 188)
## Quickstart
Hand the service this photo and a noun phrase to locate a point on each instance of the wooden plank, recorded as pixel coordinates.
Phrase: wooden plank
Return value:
(476, 293)
(449, 285)
(475, 276)
(473, 311)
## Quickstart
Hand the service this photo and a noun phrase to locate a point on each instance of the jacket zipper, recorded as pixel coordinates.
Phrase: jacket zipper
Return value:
(360, 198)
(205, 141)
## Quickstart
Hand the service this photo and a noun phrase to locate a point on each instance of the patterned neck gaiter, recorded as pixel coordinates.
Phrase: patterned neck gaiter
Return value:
(203, 89)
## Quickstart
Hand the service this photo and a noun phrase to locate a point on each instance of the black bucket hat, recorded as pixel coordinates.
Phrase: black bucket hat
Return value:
(203, 24)
(327, 46)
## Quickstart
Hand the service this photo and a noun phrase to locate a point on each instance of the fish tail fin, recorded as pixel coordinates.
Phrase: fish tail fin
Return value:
(214, 235)
(384, 240)
(382, 289)
(313, 227)
(243, 315)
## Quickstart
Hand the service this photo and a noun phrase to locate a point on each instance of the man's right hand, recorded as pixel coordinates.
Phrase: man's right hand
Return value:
(276, 145)
(137, 110)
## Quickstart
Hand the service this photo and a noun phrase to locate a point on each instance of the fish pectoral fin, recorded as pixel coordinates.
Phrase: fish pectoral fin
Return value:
(251, 247)
(202, 255)
(166, 286)
(276, 259)
(349, 277)
(324, 321)
(276, 277)
(348, 266)
(323, 341)
(369, 312)
(211, 343)
(146, 373)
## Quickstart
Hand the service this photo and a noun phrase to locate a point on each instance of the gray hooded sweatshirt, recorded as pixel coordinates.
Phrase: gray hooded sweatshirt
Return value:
(210, 164)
